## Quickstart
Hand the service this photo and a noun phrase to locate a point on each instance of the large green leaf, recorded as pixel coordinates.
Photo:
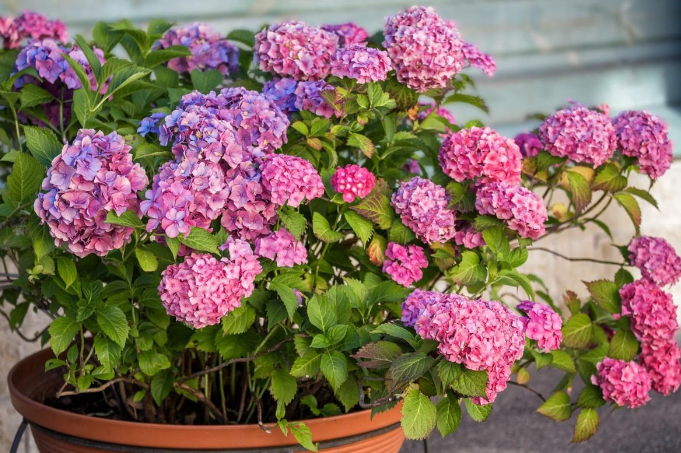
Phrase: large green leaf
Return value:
(632, 208)
(557, 407)
(321, 313)
(419, 415)
(283, 386)
(606, 294)
(586, 426)
(448, 415)
(24, 181)
(200, 240)
(376, 206)
(113, 323)
(623, 345)
(578, 331)
(470, 270)
(62, 330)
(361, 226)
(322, 230)
(334, 365)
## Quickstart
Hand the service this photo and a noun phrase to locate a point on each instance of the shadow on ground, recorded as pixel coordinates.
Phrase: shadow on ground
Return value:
(514, 426)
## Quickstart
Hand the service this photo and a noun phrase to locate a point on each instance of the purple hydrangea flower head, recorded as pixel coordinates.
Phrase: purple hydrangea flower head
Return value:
(293, 49)
(404, 264)
(45, 56)
(150, 124)
(528, 143)
(283, 247)
(644, 136)
(656, 259)
(412, 166)
(542, 324)
(580, 134)
(290, 179)
(423, 207)
(209, 50)
(201, 290)
(348, 33)
(416, 303)
(426, 50)
(309, 97)
(364, 64)
(523, 210)
(625, 383)
(353, 181)
(92, 176)
(281, 91)
(480, 153)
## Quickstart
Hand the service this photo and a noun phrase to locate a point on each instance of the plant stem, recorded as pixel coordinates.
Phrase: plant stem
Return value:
(591, 260)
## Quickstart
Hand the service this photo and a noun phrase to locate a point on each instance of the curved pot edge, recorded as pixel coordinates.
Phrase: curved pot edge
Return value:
(27, 373)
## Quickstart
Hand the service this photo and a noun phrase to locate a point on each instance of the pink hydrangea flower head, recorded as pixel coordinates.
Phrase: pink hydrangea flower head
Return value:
(308, 96)
(404, 264)
(652, 311)
(528, 143)
(282, 247)
(580, 134)
(30, 25)
(661, 361)
(480, 335)
(92, 176)
(416, 302)
(480, 153)
(209, 50)
(364, 64)
(348, 33)
(290, 179)
(644, 136)
(201, 290)
(423, 207)
(281, 91)
(249, 213)
(478, 59)
(656, 259)
(353, 181)
(185, 194)
(625, 383)
(293, 49)
(523, 210)
(467, 236)
(542, 324)
(426, 50)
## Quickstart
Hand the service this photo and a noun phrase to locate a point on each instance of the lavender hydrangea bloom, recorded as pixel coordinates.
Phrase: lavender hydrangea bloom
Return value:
(361, 63)
(348, 33)
(644, 136)
(309, 97)
(281, 91)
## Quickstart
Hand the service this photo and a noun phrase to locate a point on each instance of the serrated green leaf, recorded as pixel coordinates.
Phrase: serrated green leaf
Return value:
(606, 294)
(295, 222)
(32, 95)
(322, 230)
(578, 331)
(408, 368)
(147, 260)
(362, 142)
(557, 407)
(307, 365)
(591, 397)
(470, 270)
(419, 415)
(334, 365)
(643, 194)
(563, 361)
(127, 218)
(283, 386)
(380, 354)
(303, 435)
(448, 415)
(200, 240)
(470, 383)
(623, 345)
(108, 351)
(475, 101)
(579, 189)
(62, 330)
(608, 178)
(586, 426)
(24, 181)
(113, 323)
(151, 362)
(239, 320)
(67, 270)
(399, 233)
(320, 312)
(205, 81)
(477, 412)
(632, 208)
(361, 226)
(376, 206)
(161, 385)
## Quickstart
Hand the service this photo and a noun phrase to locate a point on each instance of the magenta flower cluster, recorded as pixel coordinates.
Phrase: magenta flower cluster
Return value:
(652, 311)
(209, 50)
(480, 335)
(661, 359)
(290, 179)
(283, 247)
(295, 50)
(423, 207)
(478, 59)
(404, 264)
(364, 64)
(30, 25)
(201, 290)
(467, 236)
(523, 210)
(542, 324)
(644, 136)
(625, 383)
(90, 178)
(426, 50)
(353, 181)
(480, 153)
(416, 303)
(580, 134)
(656, 259)
(348, 33)
(529, 144)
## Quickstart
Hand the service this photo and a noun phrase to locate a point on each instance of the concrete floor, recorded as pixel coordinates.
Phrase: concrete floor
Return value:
(514, 426)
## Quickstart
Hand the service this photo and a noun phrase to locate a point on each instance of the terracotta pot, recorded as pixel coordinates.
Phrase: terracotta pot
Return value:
(58, 431)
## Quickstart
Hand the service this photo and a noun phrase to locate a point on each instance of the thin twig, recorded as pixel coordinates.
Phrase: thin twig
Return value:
(102, 387)
(592, 260)
(528, 388)
(260, 423)
(378, 402)
(201, 397)
(21, 334)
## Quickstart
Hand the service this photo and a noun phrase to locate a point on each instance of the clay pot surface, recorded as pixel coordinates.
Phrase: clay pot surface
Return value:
(58, 431)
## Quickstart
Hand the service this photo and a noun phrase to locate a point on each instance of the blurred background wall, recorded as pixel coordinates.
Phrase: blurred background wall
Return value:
(626, 53)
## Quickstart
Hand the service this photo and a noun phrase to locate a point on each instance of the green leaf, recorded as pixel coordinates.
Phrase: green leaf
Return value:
(519, 279)
(496, 240)
(42, 144)
(113, 323)
(307, 365)
(348, 394)
(643, 194)
(246, 37)
(632, 208)
(125, 76)
(239, 320)
(283, 387)
(578, 331)
(151, 362)
(448, 415)
(591, 397)
(335, 368)
(81, 105)
(380, 354)
(471, 383)
(361, 226)
(477, 412)
(200, 240)
(303, 435)
(32, 95)
(108, 352)
(173, 245)
(609, 179)
(404, 96)
(606, 294)
(321, 313)
(67, 270)
(80, 72)
(24, 181)
(161, 385)
(419, 415)
(362, 142)
(580, 190)
(322, 230)
(147, 259)
(546, 160)
(376, 206)
(408, 368)
(399, 233)
(295, 222)
(448, 372)
(394, 331)
(287, 296)
(157, 57)
(127, 218)
(563, 361)
(623, 346)
(62, 330)
(470, 270)
(475, 101)
(557, 407)
(586, 426)
(205, 81)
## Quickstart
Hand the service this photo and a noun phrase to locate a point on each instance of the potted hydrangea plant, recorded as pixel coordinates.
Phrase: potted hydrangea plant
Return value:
(264, 240)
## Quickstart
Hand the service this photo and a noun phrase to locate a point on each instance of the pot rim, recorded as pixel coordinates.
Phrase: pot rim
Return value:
(27, 375)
